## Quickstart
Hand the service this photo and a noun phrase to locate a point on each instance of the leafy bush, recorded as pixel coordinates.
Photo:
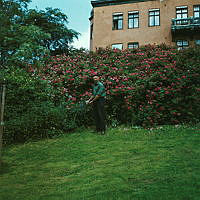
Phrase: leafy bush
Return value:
(30, 112)
(149, 86)
(145, 86)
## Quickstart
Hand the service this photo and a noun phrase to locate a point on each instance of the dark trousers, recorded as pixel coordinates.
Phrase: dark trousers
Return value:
(99, 114)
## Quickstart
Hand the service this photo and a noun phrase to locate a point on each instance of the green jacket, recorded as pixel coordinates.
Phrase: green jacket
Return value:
(99, 89)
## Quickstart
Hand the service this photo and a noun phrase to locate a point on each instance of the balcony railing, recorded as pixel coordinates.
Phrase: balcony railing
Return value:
(186, 23)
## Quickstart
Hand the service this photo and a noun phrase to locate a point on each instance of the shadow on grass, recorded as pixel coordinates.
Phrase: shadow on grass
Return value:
(4, 168)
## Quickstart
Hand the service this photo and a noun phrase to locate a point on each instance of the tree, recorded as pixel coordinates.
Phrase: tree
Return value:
(53, 22)
(29, 34)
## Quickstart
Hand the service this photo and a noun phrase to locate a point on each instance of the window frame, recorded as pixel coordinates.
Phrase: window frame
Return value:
(135, 16)
(197, 42)
(198, 6)
(154, 17)
(182, 46)
(117, 20)
(180, 20)
(116, 47)
(181, 8)
(133, 43)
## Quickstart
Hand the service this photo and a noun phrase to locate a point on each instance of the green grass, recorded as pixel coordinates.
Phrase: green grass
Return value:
(125, 164)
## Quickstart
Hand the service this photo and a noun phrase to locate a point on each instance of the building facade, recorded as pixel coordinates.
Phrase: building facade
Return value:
(132, 23)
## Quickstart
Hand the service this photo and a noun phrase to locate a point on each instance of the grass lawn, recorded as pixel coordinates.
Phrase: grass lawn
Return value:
(125, 164)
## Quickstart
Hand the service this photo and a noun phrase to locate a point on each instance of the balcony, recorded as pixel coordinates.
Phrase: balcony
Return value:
(186, 24)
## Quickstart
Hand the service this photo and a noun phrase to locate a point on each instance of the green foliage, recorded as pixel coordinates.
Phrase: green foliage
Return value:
(149, 86)
(28, 35)
(52, 22)
(29, 108)
(27, 48)
(125, 164)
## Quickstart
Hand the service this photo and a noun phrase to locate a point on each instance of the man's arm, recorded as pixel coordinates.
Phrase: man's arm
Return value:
(90, 99)
(94, 99)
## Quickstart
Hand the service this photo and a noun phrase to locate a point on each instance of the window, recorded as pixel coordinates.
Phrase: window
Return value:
(197, 42)
(197, 11)
(117, 21)
(182, 44)
(133, 19)
(181, 14)
(117, 46)
(133, 45)
(154, 17)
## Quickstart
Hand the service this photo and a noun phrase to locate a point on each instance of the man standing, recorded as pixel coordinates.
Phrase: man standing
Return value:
(98, 101)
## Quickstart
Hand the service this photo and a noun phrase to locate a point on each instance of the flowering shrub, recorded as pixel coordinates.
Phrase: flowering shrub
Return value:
(149, 86)
(146, 86)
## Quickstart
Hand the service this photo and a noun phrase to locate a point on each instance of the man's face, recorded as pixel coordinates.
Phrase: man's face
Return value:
(96, 79)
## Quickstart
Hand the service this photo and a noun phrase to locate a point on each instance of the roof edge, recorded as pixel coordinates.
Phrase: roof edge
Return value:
(100, 3)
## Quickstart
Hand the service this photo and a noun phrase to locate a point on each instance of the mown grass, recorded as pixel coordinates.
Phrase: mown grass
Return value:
(124, 164)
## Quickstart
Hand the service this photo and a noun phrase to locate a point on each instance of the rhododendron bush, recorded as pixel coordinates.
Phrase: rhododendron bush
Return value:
(146, 86)
(149, 86)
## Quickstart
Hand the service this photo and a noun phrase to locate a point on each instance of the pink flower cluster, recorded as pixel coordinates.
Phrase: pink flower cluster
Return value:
(145, 81)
